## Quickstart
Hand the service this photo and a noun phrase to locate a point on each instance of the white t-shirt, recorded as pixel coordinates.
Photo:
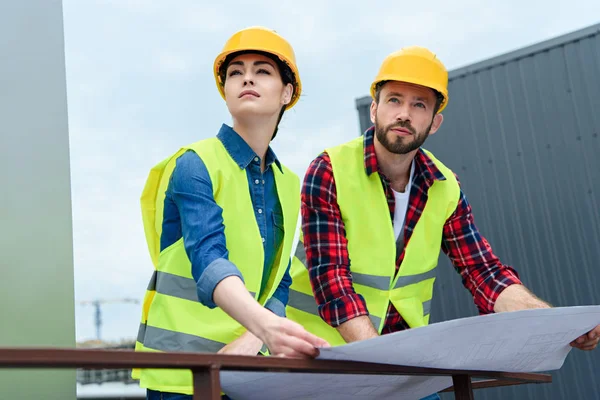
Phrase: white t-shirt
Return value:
(402, 204)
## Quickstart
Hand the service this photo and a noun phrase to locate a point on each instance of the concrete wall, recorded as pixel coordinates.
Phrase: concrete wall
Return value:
(36, 262)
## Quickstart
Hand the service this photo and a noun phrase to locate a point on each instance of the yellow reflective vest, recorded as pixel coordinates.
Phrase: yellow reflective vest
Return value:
(172, 317)
(372, 247)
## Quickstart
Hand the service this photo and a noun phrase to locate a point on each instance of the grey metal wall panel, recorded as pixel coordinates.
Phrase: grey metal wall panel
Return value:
(364, 119)
(522, 131)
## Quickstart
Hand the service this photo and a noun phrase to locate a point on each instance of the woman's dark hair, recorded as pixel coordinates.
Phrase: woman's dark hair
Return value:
(287, 76)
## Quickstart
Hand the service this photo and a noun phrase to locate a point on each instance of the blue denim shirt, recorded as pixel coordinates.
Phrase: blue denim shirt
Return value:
(190, 211)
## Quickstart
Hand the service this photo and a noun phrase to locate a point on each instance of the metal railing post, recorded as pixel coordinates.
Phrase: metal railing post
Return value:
(207, 385)
(463, 389)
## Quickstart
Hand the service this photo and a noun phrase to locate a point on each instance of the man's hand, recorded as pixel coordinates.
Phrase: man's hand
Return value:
(587, 341)
(286, 338)
(246, 345)
(518, 297)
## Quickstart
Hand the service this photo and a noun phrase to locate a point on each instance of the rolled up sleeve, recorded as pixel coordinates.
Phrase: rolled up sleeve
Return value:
(202, 226)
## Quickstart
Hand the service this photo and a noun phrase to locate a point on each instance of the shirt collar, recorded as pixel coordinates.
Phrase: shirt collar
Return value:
(240, 151)
(424, 165)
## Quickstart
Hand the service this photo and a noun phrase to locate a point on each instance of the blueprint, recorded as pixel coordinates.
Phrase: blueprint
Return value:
(521, 341)
(304, 386)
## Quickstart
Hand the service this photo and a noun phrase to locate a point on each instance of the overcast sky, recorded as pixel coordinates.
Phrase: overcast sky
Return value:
(140, 85)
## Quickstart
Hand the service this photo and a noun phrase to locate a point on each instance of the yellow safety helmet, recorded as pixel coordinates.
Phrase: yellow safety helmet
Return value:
(261, 39)
(414, 65)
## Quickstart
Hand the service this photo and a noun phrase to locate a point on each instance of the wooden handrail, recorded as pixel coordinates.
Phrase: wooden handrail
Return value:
(206, 366)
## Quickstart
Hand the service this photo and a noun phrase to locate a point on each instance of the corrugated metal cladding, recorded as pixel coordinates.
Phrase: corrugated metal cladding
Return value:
(522, 131)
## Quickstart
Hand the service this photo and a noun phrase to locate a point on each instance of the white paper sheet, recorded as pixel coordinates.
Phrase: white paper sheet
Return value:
(521, 341)
(303, 386)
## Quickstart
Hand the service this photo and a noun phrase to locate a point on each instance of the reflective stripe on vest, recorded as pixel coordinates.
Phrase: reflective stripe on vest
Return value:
(173, 319)
(176, 286)
(165, 340)
(372, 250)
(307, 303)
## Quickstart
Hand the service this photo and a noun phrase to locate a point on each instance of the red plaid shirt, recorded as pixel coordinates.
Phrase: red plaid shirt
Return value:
(326, 245)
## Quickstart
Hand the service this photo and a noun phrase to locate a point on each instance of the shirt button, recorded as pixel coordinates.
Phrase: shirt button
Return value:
(260, 210)
(257, 181)
(256, 159)
(263, 239)
(263, 182)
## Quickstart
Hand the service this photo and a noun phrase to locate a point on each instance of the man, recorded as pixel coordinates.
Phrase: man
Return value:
(375, 211)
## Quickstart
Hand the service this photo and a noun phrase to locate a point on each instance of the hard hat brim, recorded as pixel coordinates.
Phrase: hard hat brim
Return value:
(419, 82)
(223, 55)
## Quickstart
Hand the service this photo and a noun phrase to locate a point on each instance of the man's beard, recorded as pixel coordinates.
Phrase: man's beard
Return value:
(402, 144)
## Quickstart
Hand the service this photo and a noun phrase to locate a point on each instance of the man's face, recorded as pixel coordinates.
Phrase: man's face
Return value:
(404, 116)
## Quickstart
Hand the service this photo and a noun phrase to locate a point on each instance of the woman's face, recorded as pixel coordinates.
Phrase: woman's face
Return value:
(253, 87)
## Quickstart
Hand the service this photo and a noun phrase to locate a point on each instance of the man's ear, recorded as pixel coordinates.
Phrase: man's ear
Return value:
(373, 111)
(437, 122)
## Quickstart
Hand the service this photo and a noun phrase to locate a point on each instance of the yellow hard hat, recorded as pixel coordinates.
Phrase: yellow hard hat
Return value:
(260, 39)
(414, 65)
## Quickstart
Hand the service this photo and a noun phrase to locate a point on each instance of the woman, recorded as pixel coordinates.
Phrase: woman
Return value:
(220, 216)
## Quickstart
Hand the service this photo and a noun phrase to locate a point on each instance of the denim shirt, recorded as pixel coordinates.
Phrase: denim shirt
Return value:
(191, 211)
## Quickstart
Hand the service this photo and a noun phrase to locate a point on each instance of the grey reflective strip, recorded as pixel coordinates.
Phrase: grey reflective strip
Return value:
(152, 283)
(412, 279)
(426, 307)
(303, 302)
(376, 321)
(141, 333)
(301, 253)
(307, 304)
(373, 281)
(264, 348)
(166, 340)
(176, 286)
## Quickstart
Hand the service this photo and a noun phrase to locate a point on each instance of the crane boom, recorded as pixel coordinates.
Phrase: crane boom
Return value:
(98, 312)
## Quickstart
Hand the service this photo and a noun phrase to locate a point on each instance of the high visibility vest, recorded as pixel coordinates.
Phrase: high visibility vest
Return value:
(172, 317)
(372, 247)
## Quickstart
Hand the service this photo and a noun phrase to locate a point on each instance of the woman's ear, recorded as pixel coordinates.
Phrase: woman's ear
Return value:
(286, 95)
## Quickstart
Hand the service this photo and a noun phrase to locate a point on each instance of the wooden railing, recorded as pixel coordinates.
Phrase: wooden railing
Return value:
(205, 367)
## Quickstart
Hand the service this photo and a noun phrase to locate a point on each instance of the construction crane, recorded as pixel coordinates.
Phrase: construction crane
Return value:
(98, 302)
